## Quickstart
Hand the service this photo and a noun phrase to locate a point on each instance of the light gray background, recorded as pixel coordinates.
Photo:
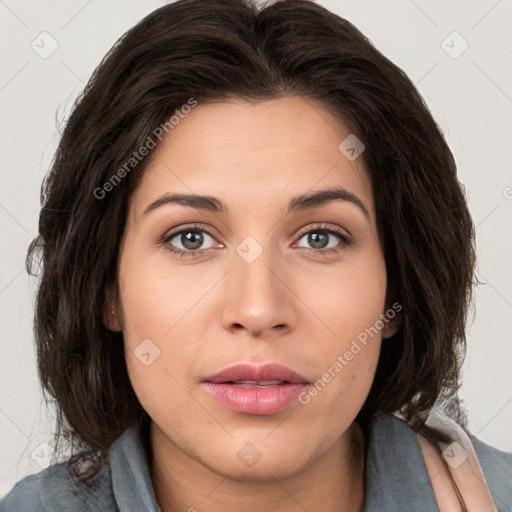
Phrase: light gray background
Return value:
(470, 97)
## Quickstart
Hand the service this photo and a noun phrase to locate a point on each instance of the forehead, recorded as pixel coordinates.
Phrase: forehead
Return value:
(254, 154)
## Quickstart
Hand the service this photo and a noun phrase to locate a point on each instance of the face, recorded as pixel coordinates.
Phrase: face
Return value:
(266, 277)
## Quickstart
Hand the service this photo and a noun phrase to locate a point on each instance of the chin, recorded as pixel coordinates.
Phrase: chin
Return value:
(264, 471)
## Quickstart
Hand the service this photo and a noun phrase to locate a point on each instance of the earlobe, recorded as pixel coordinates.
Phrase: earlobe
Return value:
(114, 322)
(392, 321)
(111, 316)
(389, 330)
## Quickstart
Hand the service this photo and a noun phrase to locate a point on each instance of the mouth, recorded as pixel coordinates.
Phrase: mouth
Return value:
(257, 390)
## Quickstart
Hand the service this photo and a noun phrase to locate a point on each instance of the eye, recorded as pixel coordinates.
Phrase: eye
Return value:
(325, 240)
(188, 241)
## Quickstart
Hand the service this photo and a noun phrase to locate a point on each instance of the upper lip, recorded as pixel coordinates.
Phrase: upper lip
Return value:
(248, 372)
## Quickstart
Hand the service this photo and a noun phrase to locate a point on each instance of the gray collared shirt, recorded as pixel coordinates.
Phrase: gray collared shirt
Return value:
(396, 478)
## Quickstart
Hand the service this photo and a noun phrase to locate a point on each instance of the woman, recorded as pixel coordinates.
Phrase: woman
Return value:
(256, 266)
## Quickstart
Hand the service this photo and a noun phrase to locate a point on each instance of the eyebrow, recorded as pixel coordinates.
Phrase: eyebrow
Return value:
(299, 203)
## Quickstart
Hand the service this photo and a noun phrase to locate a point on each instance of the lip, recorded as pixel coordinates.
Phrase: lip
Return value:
(266, 372)
(237, 388)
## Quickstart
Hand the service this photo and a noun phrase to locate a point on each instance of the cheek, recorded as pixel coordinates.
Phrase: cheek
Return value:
(162, 308)
(351, 306)
(352, 298)
(156, 296)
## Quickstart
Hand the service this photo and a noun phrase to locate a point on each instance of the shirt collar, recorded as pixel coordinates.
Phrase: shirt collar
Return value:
(131, 476)
(396, 475)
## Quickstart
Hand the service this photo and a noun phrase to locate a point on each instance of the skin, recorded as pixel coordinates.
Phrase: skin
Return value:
(294, 305)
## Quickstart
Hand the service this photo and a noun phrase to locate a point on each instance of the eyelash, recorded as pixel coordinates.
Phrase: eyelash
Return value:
(343, 237)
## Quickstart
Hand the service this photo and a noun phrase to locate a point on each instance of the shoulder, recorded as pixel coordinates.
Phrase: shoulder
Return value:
(495, 464)
(493, 458)
(57, 489)
(497, 469)
(123, 480)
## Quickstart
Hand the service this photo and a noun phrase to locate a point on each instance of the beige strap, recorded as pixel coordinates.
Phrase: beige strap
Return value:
(444, 490)
(457, 479)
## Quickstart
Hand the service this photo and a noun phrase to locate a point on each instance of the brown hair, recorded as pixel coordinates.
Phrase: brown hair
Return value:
(213, 50)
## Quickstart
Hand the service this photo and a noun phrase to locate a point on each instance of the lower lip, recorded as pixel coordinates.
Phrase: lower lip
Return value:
(259, 400)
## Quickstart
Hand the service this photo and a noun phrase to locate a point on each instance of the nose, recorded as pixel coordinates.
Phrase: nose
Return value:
(259, 297)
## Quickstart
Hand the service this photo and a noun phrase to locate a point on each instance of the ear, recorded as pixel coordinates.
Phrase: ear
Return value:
(112, 318)
(393, 320)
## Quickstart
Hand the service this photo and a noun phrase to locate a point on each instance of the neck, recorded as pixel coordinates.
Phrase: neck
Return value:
(336, 481)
